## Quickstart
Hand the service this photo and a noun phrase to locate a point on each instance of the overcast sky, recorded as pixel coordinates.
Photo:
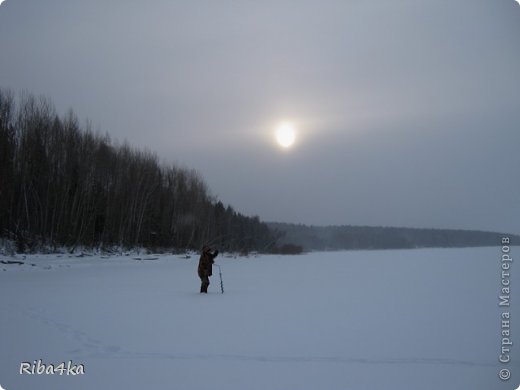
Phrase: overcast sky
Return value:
(407, 112)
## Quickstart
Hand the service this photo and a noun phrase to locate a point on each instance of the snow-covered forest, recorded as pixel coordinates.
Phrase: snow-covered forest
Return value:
(63, 184)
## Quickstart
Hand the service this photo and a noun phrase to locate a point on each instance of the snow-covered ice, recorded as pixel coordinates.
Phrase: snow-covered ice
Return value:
(401, 319)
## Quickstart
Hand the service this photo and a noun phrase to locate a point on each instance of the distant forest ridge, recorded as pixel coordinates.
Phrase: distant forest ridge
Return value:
(318, 238)
(63, 185)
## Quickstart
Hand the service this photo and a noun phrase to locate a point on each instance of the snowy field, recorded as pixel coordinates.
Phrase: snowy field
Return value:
(402, 319)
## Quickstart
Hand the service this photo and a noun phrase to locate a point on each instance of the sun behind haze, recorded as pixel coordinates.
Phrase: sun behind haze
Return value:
(285, 134)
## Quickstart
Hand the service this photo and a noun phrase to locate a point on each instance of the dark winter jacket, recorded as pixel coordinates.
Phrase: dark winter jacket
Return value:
(206, 262)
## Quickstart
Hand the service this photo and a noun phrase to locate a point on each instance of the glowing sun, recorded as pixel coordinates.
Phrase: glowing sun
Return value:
(285, 134)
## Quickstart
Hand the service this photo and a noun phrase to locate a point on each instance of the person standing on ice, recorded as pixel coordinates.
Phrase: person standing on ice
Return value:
(205, 269)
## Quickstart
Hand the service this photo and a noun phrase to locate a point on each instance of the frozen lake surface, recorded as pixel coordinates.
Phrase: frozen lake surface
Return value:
(400, 319)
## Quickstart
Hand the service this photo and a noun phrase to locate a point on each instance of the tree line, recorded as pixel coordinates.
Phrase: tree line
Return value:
(61, 184)
(323, 238)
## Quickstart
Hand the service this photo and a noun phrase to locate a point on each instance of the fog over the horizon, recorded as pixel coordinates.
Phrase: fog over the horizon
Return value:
(407, 112)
